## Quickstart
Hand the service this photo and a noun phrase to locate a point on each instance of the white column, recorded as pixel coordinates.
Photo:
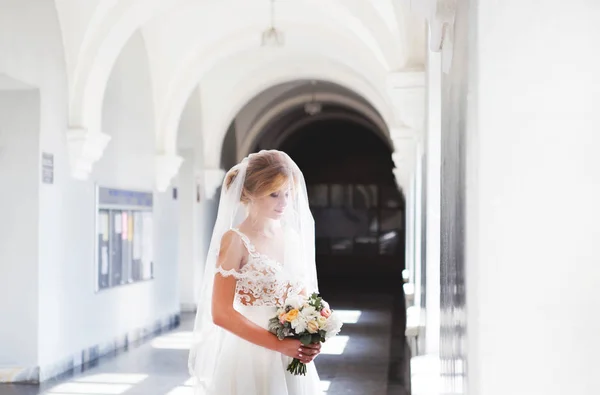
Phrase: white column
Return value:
(207, 184)
(417, 223)
(410, 232)
(533, 199)
(405, 146)
(433, 141)
(187, 230)
(406, 90)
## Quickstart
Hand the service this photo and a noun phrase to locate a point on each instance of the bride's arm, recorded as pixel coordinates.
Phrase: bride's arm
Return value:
(225, 316)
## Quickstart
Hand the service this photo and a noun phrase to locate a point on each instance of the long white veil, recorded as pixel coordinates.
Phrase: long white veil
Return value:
(299, 259)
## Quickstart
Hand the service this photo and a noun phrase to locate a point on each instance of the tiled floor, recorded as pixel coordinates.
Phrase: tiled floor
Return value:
(356, 362)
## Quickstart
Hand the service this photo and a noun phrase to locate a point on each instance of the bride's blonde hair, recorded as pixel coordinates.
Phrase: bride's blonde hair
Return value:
(267, 172)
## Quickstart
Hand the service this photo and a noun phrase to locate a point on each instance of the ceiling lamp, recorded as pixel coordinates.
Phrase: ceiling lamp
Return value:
(272, 37)
(313, 106)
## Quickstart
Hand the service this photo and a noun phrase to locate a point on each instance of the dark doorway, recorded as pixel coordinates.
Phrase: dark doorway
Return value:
(358, 209)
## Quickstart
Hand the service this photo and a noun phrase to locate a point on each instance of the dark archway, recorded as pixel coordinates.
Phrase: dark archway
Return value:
(358, 209)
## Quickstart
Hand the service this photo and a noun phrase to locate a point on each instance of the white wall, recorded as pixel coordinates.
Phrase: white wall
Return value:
(19, 183)
(72, 316)
(533, 258)
(32, 52)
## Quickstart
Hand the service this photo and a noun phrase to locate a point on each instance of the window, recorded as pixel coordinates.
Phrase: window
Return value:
(361, 219)
(124, 237)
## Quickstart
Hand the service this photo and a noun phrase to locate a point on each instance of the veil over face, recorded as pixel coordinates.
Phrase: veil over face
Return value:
(298, 262)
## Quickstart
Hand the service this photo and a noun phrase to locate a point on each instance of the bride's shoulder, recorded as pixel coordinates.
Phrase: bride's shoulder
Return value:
(231, 239)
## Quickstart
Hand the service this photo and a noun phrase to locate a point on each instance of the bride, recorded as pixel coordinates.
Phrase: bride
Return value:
(261, 253)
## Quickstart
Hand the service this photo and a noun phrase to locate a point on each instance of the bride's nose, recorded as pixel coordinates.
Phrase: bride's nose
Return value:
(283, 201)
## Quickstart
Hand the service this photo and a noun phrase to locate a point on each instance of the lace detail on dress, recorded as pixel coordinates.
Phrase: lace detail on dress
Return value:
(262, 280)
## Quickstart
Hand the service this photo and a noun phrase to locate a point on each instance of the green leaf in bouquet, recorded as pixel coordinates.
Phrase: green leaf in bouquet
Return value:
(306, 339)
(280, 334)
(321, 335)
(274, 326)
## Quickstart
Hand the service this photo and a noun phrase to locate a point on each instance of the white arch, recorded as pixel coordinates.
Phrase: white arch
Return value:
(283, 63)
(288, 70)
(113, 23)
(354, 118)
(275, 73)
(99, 51)
(295, 101)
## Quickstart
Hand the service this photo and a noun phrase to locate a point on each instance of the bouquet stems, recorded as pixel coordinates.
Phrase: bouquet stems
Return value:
(296, 367)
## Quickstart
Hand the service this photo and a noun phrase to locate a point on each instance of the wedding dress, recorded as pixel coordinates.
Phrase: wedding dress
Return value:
(244, 368)
(222, 362)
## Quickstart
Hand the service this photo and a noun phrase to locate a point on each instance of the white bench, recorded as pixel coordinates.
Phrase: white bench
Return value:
(425, 375)
(409, 294)
(413, 328)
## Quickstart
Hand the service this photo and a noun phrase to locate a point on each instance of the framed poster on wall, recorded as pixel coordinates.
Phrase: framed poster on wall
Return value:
(124, 237)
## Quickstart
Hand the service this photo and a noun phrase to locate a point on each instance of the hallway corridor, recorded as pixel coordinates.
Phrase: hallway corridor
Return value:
(357, 362)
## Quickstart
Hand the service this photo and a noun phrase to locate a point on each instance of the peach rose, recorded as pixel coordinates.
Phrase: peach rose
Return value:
(291, 315)
(326, 312)
(312, 326)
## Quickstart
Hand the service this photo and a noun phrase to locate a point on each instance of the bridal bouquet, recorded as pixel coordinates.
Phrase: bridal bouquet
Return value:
(308, 319)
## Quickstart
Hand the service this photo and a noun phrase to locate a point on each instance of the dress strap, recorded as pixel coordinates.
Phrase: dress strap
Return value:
(247, 243)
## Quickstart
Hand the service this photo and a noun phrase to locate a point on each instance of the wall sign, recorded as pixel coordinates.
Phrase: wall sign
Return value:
(47, 168)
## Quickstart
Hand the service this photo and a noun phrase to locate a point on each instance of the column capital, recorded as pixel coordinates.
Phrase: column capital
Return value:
(440, 14)
(407, 93)
(402, 176)
(405, 80)
(404, 134)
(85, 148)
(406, 147)
(167, 167)
(212, 180)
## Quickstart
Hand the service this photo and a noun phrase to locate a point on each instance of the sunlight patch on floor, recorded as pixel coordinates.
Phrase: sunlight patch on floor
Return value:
(175, 341)
(113, 378)
(89, 389)
(183, 390)
(349, 316)
(335, 346)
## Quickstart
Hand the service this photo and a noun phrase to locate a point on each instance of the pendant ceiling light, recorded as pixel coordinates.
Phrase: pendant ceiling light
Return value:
(272, 37)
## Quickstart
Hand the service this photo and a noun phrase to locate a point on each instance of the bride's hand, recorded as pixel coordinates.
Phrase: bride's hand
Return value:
(293, 348)
(310, 352)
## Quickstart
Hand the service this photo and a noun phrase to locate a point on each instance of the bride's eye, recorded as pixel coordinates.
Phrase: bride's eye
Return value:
(275, 194)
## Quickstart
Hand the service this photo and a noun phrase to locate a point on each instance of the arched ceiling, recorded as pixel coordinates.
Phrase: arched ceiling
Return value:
(268, 108)
(216, 44)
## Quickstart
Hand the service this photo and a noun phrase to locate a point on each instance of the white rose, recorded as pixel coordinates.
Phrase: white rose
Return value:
(299, 324)
(310, 313)
(333, 326)
(295, 301)
(322, 321)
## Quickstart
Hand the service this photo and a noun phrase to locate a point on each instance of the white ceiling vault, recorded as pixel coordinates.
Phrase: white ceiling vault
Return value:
(360, 45)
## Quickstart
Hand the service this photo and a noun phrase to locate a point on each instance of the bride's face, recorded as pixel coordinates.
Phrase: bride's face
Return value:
(272, 206)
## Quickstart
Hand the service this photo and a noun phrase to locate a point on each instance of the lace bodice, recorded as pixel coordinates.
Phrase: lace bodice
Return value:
(262, 281)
